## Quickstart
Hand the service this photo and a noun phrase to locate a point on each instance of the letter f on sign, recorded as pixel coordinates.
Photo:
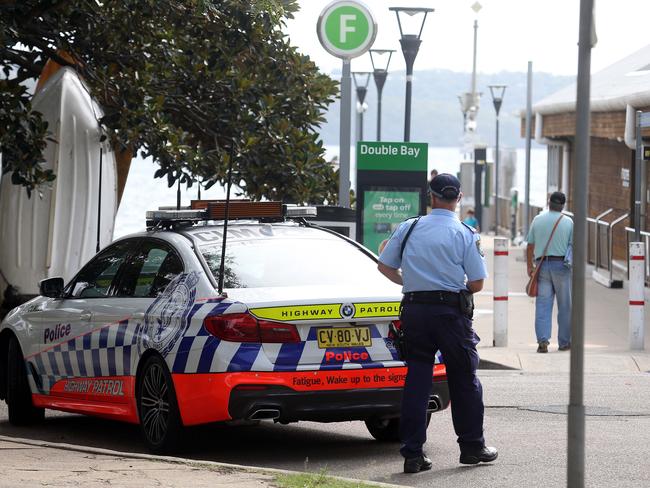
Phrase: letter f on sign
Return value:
(345, 28)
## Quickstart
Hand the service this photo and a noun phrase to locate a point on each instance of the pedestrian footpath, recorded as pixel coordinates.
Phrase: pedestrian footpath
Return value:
(606, 326)
(28, 463)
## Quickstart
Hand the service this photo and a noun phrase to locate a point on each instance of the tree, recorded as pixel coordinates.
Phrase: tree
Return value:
(190, 83)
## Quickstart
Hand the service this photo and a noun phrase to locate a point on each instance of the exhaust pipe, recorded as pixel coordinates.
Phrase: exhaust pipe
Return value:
(265, 414)
(435, 404)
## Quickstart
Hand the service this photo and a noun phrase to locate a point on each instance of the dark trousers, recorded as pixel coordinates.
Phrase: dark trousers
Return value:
(429, 328)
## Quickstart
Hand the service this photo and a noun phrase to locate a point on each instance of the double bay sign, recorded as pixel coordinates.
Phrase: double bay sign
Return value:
(391, 187)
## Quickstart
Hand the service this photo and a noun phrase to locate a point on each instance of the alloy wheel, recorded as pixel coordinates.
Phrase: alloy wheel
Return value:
(155, 403)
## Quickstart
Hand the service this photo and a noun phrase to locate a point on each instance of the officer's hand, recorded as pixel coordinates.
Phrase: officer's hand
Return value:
(531, 270)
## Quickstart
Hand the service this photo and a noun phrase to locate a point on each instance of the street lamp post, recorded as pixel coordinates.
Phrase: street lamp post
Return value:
(361, 80)
(410, 44)
(380, 73)
(497, 92)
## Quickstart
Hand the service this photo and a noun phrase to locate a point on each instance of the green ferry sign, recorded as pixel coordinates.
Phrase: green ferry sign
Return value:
(346, 29)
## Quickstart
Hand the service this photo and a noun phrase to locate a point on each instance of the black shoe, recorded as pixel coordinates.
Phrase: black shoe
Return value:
(564, 348)
(542, 347)
(475, 456)
(417, 464)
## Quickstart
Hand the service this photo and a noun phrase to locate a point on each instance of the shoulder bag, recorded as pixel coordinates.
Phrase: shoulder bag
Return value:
(531, 286)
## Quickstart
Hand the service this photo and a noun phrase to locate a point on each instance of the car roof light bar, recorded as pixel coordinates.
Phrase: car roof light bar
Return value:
(203, 204)
(298, 211)
(241, 209)
(204, 210)
(185, 215)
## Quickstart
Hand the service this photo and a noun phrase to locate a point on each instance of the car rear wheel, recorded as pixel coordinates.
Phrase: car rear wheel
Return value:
(157, 407)
(19, 397)
(386, 430)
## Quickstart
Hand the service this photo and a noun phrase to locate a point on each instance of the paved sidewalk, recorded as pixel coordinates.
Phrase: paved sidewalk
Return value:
(606, 326)
(28, 465)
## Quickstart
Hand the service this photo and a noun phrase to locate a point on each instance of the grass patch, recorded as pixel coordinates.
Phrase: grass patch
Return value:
(316, 480)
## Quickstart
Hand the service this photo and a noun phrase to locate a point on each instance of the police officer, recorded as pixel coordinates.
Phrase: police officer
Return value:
(440, 266)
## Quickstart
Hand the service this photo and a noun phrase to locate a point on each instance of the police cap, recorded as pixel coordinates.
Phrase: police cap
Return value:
(445, 186)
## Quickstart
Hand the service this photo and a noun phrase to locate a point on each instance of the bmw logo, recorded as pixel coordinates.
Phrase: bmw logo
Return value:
(347, 310)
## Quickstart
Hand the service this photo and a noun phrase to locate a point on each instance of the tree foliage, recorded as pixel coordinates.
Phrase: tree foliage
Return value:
(190, 83)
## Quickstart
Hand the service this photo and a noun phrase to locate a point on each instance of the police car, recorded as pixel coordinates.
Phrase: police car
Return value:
(141, 334)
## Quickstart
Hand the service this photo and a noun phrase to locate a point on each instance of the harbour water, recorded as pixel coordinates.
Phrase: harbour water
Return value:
(144, 192)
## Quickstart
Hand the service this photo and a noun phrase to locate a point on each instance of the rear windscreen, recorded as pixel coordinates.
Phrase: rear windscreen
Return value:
(291, 260)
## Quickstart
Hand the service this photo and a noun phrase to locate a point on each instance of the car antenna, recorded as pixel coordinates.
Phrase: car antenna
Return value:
(222, 266)
(102, 138)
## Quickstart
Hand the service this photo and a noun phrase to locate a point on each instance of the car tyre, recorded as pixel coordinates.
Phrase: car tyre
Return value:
(19, 396)
(160, 420)
(386, 430)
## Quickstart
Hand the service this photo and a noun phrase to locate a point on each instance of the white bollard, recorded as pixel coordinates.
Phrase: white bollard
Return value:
(637, 297)
(500, 292)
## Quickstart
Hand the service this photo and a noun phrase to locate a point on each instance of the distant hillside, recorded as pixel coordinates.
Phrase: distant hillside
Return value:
(436, 115)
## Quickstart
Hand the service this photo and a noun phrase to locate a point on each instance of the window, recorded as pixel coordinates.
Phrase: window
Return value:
(150, 270)
(95, 279)
(291, 257)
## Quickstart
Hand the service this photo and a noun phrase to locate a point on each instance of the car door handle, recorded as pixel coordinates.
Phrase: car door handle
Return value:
(85, 316)
(138, 316)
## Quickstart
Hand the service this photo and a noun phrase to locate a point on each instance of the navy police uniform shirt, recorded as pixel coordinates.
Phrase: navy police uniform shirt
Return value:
(440, 254)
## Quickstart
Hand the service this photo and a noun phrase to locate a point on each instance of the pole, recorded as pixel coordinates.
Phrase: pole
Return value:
(361, 124)
(478, 185)
(576, 418)
(379, 115)
(637, 298)
(407, 108)
(344, 136)
(500, 292)
(637, 178)
(359, 137)
(474, 62)
(529, 116)
(410, 45)
(380, 90)
(496, 182)
(380, 76)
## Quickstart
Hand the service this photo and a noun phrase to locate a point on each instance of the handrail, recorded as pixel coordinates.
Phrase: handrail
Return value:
(597, 220)
(610, 238)
(643, 232)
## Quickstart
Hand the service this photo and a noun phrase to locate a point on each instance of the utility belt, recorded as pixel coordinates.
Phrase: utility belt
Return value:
(464, 300)
(437, 297)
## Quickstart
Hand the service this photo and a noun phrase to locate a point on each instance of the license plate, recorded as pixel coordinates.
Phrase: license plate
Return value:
(344, 337)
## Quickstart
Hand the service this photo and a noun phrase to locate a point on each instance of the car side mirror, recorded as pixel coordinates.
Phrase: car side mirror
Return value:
(51, 287)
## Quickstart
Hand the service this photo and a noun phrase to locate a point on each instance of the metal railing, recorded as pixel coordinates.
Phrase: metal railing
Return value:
(600, 245)
(601, 238)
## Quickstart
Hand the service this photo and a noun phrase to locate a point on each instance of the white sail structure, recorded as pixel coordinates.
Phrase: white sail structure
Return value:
(54, 235)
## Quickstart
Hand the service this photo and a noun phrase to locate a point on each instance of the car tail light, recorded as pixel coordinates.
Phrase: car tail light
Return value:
(235, 327)
(243, 327)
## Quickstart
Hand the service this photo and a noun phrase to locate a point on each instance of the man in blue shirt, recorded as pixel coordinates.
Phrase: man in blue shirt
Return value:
(554, 278)
(440, 266)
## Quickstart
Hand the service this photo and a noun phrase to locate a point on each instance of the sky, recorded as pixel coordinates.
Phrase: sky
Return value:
(510, 33)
